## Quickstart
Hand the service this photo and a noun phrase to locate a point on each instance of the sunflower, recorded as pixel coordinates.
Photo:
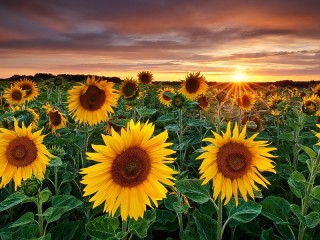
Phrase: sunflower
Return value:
(26, 115)
(203, 102)
(145, 77)
(222, 96)
(22, 154)
(14, 95)
(256, 120)
(91, 102)
(178, 100)
(57, 119)
(316, 90)
(234, 163)
(311, 105)
(129, 88)
(246, 101)
(194, 85)
(4, 103)
(31, 89)
(163, 97)
(274, 101)
(131, 170)
(318, 135)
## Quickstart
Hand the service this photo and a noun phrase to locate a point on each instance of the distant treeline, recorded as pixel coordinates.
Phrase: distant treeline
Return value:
(82, 77)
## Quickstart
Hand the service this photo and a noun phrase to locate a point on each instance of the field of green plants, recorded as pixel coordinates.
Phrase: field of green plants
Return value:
(145, 160)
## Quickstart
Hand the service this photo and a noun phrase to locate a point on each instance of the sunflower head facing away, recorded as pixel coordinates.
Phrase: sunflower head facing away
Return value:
(234, 164)
(203, 102)
(129, 88)
(163, 98)
(22, 154)
(145, 77)
(311, 105)
(15, 95)
(27, 116)
(194, 85)
(131, 170)
(91, 102)
(31, 89)
(178, 100)
(246, 101)
(57, 119)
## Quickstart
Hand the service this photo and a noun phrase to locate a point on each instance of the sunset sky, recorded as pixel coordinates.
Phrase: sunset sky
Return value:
(264, 40)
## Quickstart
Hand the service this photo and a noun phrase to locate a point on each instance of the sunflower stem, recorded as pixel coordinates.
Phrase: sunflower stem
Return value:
(124, 226)
(305, 200)
(56, 187)
(297, 130)
(40, 215)
(219, 117)
(180, 139)
(219, 220)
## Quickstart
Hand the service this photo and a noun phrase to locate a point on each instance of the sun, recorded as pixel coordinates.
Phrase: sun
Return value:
(239, 77)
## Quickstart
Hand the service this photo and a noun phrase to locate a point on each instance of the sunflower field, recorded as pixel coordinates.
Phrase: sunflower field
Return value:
(144, 160)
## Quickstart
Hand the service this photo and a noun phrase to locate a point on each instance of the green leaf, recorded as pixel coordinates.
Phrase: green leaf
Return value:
(138, 228)
(120, 122)
(193, 190)
(276, 209)
(289, 137)
(24, 219)
(44, 195)
(13, 200)
(315, 199)
(269, 235)
(60, 205)
(196, 123)
(297, 184)
(146, 112)
(206, 226)
(172, 127)
(297, 212)
(190, 234)
(102, 227)
(244, 213)
(26, 232)
(309, 151)
(312, 219)
(178, 208)
(165, 118)
(65, 230)
(169, 201)
(55, 162)
(164, 216)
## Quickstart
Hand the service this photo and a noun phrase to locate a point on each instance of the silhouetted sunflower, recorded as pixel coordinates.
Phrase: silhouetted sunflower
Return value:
(234, 164)
(194, 85)
(131, 170)
(22, 154)
(129, 88)
(91, 102)
(246, 101)
(145, 77)
(203, 102)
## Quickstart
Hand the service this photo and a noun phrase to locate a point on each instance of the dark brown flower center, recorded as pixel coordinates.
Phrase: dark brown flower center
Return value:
(192, 85)
(245, 101)
(234, 160)
(55, 118)
(16, 95)
(165, 97)
(203, 102)
(27, 88)
(93, 99)
(21, 152)
(131, 167)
